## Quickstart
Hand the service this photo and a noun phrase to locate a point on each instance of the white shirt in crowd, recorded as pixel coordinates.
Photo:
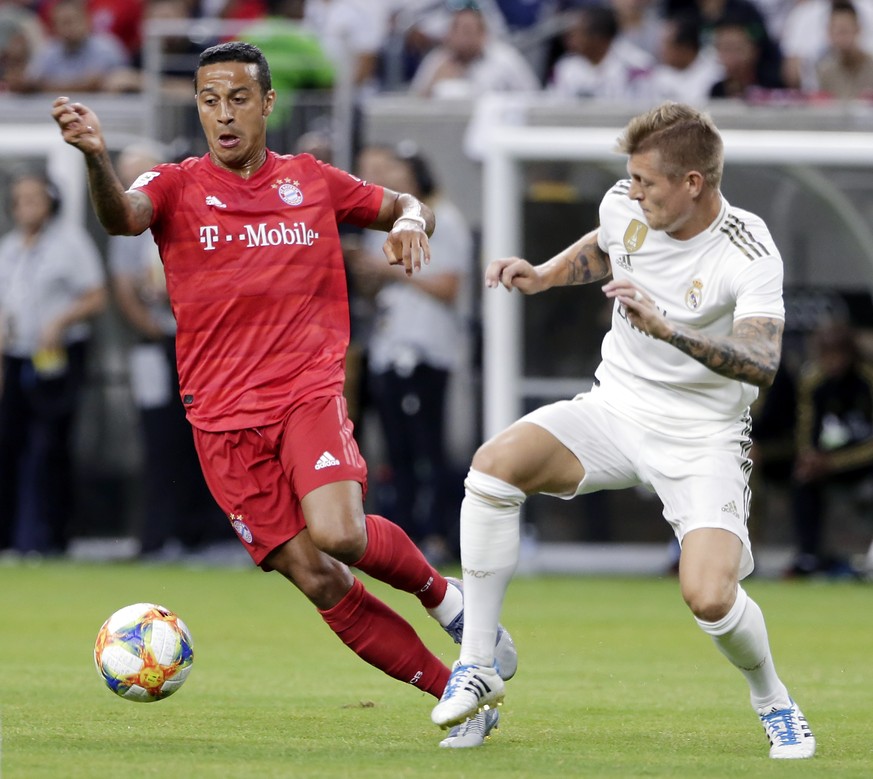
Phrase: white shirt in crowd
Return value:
(690, 85)
(500, 69)
(621, 75)
(412, 326)
(40, 282)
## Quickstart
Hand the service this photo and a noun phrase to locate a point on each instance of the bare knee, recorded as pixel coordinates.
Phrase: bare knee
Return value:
(335, 520)
(530, 458)
(492, 458)
(339, 538)
(710, 602)
(708, 572)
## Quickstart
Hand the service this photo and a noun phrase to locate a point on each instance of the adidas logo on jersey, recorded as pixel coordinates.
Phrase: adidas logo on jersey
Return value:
(326, 461)
(731, 508)
(211, 200)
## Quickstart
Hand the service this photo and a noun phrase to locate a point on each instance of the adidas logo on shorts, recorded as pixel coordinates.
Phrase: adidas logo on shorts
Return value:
(326, 461)
(731, 508)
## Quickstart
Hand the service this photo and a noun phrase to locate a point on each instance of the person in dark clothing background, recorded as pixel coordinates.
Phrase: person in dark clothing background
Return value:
(834, 437)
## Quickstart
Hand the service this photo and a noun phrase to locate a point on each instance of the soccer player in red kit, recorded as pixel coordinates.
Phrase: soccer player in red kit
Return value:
(256, 279)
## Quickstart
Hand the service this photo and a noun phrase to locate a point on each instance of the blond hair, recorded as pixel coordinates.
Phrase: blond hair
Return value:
(686, 138)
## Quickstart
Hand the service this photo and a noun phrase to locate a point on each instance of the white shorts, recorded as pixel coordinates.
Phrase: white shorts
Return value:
(702, 483)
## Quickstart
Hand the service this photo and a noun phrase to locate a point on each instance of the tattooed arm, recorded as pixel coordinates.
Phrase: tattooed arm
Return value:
(120, 212)
(580, 263)
(750, 353)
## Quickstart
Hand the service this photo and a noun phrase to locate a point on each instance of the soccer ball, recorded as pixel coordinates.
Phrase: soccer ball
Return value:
(144, 652)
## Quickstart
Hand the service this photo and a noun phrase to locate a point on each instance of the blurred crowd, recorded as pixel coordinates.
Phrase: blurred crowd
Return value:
(814, 430)
(624, 50)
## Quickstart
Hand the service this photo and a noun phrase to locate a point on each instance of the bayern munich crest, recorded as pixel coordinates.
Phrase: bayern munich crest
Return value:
(241, 528)
(290, 193)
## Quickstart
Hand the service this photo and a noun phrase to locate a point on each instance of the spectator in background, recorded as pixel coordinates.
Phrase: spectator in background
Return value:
(180, 514)
(352, 33)
(120, 18)
(75, 59)
(296, 56)
(639, 23)
(415, 27)
(685, 71)
(596, 63)
(179, 53)
(21, 35)
(413, 350)
(747, 13)
(846, 71)
(51, 285)
(804, 39)
(470, 62)
(834, 435)
(740, 46)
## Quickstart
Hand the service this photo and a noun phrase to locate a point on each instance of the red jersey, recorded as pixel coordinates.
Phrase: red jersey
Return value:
(257, 282)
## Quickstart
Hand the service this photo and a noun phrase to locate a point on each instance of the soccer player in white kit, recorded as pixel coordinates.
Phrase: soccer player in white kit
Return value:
(696, 328)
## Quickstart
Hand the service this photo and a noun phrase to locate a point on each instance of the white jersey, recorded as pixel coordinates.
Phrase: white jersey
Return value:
(730, 271)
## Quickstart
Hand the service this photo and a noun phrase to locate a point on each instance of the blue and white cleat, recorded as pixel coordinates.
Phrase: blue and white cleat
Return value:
(789, 733)
(473, 732)
(470, 689)
(505, 653)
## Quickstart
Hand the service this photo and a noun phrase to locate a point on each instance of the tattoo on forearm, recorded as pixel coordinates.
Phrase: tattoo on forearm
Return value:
(589, 264)
(107, 195)
(750, 354)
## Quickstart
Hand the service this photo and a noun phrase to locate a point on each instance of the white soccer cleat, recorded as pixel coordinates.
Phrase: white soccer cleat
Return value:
(789, 733)
(470, 689)
(473, 732)
(505, 653)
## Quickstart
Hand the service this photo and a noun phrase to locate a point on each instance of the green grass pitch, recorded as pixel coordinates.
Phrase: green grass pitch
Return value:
(615, 680)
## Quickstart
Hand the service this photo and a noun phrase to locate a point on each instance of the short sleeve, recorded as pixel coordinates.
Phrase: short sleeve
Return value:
(162, 186)
(602, 236)
(758, 290)
(354, 201)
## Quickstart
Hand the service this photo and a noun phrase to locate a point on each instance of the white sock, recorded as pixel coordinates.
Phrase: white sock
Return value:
(741, 636)
(449, 608)
(489, 555)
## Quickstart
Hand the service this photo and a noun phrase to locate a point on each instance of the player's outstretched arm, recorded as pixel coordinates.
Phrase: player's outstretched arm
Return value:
(409, 223)
(120, 212)
(580, 263)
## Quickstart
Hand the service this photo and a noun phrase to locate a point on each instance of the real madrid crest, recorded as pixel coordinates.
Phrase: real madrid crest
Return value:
(635, 235)
(694, 295)
(289, 191)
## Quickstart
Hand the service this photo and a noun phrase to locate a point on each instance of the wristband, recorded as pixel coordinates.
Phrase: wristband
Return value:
(411, 218)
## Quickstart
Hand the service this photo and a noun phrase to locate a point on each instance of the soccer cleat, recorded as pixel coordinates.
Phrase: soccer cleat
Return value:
(789, 733)
(472, 732)
(470, 689)
(505, 654)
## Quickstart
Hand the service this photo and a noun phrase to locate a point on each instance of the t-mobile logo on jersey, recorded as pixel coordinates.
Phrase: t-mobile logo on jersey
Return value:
(295, 234)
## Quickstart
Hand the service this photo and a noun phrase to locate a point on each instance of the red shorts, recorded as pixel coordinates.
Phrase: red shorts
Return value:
(259, 475)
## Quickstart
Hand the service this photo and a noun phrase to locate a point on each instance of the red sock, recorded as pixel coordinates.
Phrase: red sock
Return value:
(384, 639)
(391, 557)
